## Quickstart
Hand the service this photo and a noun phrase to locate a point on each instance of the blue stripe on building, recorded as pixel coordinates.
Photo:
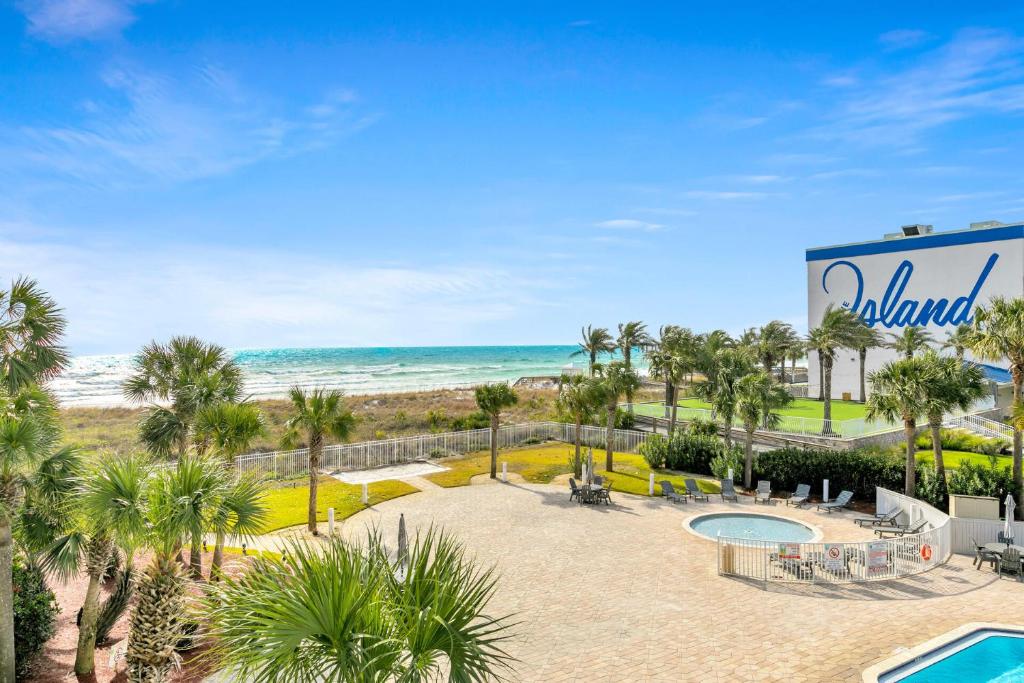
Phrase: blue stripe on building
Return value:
(948, 239)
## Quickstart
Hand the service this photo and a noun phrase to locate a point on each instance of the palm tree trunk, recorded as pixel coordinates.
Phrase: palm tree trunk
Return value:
(910, 431)
(1018, 475)
(218, 557)
(863, 386)
(727, 434)
(748, 464)
(577, 463)
(627, 357)
(669, 397)
(935, 423)
(792, 374)
(85, 655)
(316, 444)
(6, 601)
(821, 378)
(195, 558)
(675, 407)
(827, 407)
(610, 447)
(494, 446)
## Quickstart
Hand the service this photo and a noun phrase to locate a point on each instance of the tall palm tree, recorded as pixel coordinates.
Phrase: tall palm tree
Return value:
(952, 385)
(958, 340)
(998, 334)
(632, 335)
(317, 413)
(596, 340)
(229, 429)
(790, 343)
(578, 399)
(670, 364)
(196, 484)
(179, 379)
(729, 366)
(910, 341)
(865, 338)
(796, 350)
(773, 339)
(706, 350)
(838, 329)
(757, 396)
(238, 510)
(345, 612)
(491, 399)
(31, 328)
(615, 379)
(669, 341)
(899, 392)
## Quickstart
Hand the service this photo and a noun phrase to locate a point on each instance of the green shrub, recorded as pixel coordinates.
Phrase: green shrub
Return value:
(654, 450)
(963, 440)
(857, 471)
(474, 420)
(721, 463)
(35, 614)
(927, 488)
(980, 480)
(700, 426)
(624, 419)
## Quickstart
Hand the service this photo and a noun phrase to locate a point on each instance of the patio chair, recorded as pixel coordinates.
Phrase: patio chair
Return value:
(1009, 561)
(604, 493)
(841, 501)
(694, 491)
(1003, 538)
(669, 492)
(800, 496)
(764, 492)
(598, 479)
(900, 531)
(983, 554)
(887, 519)
(574, 491)
(729, 491)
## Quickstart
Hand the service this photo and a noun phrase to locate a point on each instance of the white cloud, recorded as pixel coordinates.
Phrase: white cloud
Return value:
(900, 39)
(630, 224)
(156, 128)
(844, 173)
(659, 211)
(726, 195)
(764, 179)
(63, 20)
(840, 81)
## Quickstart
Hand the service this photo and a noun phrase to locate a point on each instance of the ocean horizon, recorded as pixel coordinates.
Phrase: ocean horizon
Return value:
(95, 380)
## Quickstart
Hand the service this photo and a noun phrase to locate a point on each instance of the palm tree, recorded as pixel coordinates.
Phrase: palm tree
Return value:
(796, 350)
(958, 340)
(105, 514)
(729, 365)
(670, 364)
(790, 343)
(185, 376)
(239, 511)
(632, 335)
(953, 385)
(899, 391)
(910, 341)
(196, 484)
(757, 395)
(670, 340)
(706, 350)
(865, 338)
(773, 339)
(998, 334)
(229, 428)
(31, 328)
(491, 399)
(596, 340)
(578, 399)
(345, 612)
(616, 379)
(838, 329)
(318, 413)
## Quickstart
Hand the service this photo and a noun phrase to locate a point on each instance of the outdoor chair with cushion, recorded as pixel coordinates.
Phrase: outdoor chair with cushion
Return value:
(1009, 562)
(887, 519)
(693, 490)
(764, 492)
(800, 496)
(729, 491)
(841, 501)
(898, 531)
(669, 492)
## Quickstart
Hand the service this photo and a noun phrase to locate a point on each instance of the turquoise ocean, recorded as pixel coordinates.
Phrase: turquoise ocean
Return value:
(96, 380)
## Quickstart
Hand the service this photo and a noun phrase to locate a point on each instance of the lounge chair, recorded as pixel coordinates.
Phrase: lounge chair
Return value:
(898, 531)
(764, 492)
(887, 519)
(1009, 561)
(841, 501)
(729, 491)
(693, 490)
(800, 496)
(669, 492)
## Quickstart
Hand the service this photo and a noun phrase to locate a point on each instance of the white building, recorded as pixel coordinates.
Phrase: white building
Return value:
(915, 277)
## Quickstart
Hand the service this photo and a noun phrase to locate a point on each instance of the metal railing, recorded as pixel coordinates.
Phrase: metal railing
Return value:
(842, 562)
(981, 425)
(372, 454)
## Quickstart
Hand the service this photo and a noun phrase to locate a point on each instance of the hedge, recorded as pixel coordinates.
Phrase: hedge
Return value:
(856, 471)
(684, 452)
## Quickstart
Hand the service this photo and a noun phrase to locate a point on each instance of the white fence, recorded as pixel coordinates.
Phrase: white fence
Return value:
(371, 454)
(821, 562)
(968, 533)
(981, 425)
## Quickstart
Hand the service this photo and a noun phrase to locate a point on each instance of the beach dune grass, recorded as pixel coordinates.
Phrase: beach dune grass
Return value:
(288, 503)
(541, 464)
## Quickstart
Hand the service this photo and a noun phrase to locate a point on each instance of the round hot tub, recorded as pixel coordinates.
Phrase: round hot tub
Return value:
(752, 526)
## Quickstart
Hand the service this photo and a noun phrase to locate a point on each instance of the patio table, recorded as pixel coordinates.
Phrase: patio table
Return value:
(998, 548)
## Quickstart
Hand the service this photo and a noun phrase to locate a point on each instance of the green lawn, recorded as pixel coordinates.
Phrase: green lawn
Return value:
(952, 459)
(800, 407)
(541, 464)
(289, 503)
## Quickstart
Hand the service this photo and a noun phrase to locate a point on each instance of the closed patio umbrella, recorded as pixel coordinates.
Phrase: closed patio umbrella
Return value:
(1008, 525)
(590, 465)
(403, 543)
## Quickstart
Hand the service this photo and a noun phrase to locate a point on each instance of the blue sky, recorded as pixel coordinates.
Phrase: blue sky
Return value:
(267, 176)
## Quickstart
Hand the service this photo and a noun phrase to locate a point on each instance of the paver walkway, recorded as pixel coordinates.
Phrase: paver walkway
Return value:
(624, 593)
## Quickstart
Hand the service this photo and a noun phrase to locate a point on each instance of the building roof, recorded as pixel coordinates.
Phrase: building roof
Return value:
(932, 240)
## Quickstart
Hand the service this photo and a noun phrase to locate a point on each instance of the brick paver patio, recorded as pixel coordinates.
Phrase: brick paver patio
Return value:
(624, 593)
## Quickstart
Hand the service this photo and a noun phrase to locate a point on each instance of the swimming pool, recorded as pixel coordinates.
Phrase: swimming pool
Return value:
(751, 525)
(986, 655)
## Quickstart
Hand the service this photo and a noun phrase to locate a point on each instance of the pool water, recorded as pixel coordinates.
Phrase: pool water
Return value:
(751, 526)
(982, 657)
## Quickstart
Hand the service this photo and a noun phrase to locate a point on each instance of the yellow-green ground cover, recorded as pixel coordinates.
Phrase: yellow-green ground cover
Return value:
(288, 503)
(800, 407)
(952, 459)
(541, 464)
